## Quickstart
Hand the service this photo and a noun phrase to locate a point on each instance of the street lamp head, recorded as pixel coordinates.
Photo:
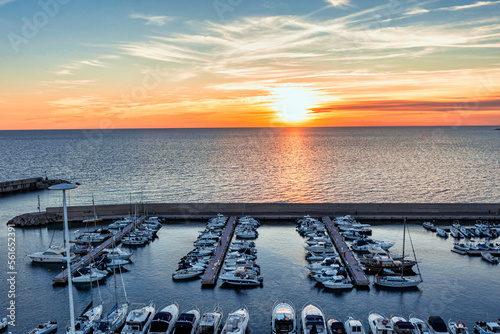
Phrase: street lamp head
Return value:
(63, 186)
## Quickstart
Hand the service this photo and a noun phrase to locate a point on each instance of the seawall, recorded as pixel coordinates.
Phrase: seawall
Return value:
(33, 184)
(440, 212)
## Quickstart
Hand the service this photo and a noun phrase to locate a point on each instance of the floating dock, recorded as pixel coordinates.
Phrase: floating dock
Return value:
(209, 278)
(62, 278)
(358, 276)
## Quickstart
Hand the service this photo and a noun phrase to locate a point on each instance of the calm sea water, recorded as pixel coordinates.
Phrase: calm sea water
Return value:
(253, 165)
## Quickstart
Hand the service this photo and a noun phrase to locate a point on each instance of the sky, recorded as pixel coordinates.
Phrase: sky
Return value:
(73, 64)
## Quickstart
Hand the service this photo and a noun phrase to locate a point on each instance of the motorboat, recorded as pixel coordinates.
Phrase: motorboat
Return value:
(489, 257)
(237, 322)
(325, 275)
(210, 322)
(283, 319)
(420, 325)
(472, 246)
(45, 328)
(401, 326)
(380, 261)
(335, 327)
(87, 275)
(84, 324)
(313, 320)
(455, 232)
(187, 322)
(164, 321)
(428, 225)
(379, 324)
(184, 274)
(54, 254)
(441, 233)
(483, 327)
(94, 237)
(121, 223)
(461, 247)
(437, 325)
(246, 234)
(135, 240)
(457, 327)
(241, 277)
(139, 320)
(353, 326)
(338, 282)
(113, 320)
(483, 246)
(363, 245)
(117, 253)
(396, 282)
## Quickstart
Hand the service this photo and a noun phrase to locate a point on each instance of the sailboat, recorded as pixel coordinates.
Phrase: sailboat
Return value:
(400, 282)
(115, 318)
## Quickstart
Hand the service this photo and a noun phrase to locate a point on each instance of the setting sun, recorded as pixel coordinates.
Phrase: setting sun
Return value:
(294, 103)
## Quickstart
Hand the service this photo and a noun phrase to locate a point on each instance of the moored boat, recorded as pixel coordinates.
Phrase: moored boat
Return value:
(420, 326)
(237, 322)
(489, 257)
(139, 319)
(483, 327)
(283, 319)
(313, 320)
(164, 321)
(353, 326)
(437, 325)
(187, 322)
(54, 254)
(45, 328)
(335, 327)
(379, 324)
(457, 327)
(210, 322)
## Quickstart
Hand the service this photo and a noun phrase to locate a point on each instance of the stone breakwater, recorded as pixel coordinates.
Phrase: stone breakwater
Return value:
(440, 212)
(33, 184)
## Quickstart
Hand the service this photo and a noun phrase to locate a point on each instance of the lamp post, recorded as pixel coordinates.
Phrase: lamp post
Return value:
(64, 187)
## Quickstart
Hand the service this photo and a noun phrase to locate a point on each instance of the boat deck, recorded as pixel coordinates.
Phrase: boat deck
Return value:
(62, 278)
(209, 278)
(358, 276)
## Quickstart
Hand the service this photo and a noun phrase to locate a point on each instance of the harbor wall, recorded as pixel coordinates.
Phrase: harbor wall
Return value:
(291, 209)
(33, 184)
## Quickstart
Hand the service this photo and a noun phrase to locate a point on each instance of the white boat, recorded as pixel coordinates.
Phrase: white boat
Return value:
(379, 324)
(246, 234)
(465, 232)
(353, 326)
(211, 322)
(455, 232)
(441, 233)
(482, 327)
(461, 247)
(437, 325)
(3, 323)
(113, 320)
(338, 283)
(121, 223)
(138, 320)
(187, 322)
(241, 277)
(489, 257)
(45, 328)
(428, 225)
(135, 240)
(335, 327)
(54, 254)
(457, 327)
(117, 253)
(164, 321)
(237, 322)
(184, 274)
(283, 319)
(396, 282)
(401, 326)
(313, 320)
(420, 325)
(84, 324)
(85, 275)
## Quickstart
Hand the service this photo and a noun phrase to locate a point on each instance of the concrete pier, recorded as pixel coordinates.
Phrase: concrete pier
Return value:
(440, 213)
(211, 274)
(33, 184)
(62, 278)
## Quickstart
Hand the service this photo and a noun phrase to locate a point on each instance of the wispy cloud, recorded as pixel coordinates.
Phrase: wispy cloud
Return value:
(476, 4)
(339, 3)
(157, 20)
(4, 2)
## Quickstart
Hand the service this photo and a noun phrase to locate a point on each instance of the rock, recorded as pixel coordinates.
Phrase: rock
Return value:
(35, 219)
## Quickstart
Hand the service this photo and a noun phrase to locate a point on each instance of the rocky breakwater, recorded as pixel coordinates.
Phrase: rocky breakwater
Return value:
(35, 219)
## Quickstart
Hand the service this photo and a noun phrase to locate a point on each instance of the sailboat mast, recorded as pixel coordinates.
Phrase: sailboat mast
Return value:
(403, 259)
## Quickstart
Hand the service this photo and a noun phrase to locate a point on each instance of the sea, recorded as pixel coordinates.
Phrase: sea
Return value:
(295, 165)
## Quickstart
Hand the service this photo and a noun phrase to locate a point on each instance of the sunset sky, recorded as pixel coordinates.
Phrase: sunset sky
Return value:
(69, 64)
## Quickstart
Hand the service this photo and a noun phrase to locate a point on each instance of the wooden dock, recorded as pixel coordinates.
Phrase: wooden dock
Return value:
(62, 278)
(358, 276)
(209, 278)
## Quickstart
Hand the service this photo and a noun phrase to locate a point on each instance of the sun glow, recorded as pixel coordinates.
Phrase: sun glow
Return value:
(293, 103)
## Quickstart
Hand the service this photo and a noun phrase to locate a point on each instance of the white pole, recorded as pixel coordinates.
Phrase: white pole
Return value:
(68, 262)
